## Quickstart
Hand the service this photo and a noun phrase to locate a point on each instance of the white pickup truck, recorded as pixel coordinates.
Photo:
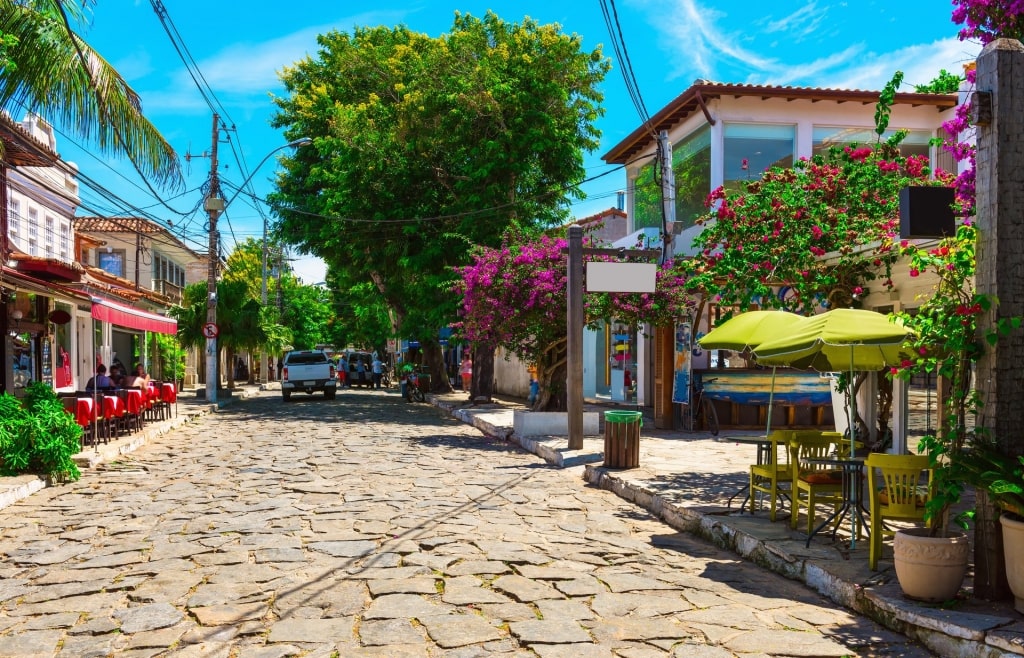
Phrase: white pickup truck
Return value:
(309, 371)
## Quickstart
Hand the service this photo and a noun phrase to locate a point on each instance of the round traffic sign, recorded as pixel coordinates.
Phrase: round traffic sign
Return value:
(210, 330)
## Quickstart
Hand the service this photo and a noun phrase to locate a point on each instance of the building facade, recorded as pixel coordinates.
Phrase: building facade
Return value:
(726, 134)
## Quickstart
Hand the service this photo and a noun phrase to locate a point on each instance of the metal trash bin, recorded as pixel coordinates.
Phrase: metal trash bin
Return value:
(423, 382)
(622, 439)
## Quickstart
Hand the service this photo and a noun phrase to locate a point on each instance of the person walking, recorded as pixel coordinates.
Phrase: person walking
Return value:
(270, 368)
(466, 372)
(377, 369)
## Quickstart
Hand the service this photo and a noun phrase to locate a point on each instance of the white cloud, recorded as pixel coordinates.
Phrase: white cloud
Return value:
(919, 63)
(691, 30)
(700, 47)
(802, 21)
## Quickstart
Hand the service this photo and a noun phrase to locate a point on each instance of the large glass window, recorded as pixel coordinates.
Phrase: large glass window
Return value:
(825, 137)
(691, 164)
(752, 148)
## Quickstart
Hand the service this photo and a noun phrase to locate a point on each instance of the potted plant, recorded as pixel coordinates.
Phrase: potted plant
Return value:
(1001, 476)
(944, 343)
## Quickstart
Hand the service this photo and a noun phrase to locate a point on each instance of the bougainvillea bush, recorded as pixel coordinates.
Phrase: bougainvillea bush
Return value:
(987, 20)
(822, 229)
(515, 297)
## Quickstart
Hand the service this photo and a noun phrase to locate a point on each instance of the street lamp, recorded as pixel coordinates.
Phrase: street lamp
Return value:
(215, 205)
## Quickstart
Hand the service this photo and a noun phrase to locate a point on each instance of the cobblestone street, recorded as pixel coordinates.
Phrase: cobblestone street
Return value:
(366, 526)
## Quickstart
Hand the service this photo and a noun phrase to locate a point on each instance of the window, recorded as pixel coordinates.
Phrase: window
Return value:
(691, 164)
(13, 217)
(33, 222)
(65, 241)
(753, 148)
(825, 137)
(49, 233)
(112, 262)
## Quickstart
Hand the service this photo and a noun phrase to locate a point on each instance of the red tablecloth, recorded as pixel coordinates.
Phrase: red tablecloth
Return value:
(83, 411)
(167, 393)
(134, 401)
(113, 407)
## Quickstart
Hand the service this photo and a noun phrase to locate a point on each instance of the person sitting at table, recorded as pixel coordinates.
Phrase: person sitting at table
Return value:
(138, 379)
(100, 381)
(117, 376)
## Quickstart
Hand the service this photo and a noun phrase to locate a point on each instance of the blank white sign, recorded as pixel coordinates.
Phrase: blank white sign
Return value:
(620, 277)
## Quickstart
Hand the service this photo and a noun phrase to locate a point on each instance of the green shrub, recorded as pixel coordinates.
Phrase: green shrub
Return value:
(38, 435)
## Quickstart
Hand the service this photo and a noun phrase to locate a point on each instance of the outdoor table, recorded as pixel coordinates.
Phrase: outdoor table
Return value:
(765, 445)
(169, 396)
(134, 405)
(83, 411)
(853, 476)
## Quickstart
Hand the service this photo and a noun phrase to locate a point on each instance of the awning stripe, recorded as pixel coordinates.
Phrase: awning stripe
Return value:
(133, 318)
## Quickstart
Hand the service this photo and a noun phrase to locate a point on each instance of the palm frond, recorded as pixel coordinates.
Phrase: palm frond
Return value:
(52, 71)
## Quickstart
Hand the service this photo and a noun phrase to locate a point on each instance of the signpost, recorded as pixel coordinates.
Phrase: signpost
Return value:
(609, 277)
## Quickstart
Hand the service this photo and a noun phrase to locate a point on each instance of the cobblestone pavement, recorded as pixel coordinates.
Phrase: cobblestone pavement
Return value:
(366, 526)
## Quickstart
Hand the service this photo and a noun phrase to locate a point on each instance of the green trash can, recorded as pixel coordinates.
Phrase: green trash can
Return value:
(622, 439)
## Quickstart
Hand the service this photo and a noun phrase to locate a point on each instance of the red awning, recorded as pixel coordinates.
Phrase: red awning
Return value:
(133, 318)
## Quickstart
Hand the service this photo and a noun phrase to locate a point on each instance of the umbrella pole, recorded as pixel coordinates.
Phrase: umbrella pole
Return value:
(851, 414)
(771, 400)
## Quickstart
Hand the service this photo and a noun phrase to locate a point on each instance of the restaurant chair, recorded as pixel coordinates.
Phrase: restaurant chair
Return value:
(899, 487)
(813, 484)
(771, 471)
(133, 408)
(113, 415)
(168, 397)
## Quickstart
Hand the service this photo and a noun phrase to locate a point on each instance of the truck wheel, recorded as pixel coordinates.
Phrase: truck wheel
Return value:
(329, 393)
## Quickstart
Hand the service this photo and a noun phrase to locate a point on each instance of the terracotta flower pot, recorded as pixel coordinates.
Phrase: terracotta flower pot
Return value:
(1013, 551)
(930, 568)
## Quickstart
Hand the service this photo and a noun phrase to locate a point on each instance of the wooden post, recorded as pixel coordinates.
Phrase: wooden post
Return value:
(1000, 260)
(574, 328)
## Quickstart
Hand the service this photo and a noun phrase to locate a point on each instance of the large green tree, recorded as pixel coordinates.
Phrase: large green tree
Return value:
(46, 67)
(427, 146)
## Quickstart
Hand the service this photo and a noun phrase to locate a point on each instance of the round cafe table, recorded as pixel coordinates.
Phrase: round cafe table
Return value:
(853, 504)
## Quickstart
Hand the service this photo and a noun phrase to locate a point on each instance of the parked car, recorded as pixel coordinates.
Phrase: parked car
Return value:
(364, 378)
(309, 371)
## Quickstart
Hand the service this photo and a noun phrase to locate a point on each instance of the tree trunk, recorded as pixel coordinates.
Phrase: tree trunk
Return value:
(230, 374)
(482, 383)
(433, 358)
(552, 374)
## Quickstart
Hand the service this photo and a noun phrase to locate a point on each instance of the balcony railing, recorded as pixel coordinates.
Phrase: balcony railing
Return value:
(168, 289)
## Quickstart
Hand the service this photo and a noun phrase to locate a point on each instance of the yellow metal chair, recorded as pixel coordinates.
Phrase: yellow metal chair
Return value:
(813, 484)
(766, 477)
(896, 492)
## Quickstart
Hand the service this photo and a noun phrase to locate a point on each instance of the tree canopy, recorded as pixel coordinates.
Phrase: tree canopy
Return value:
(427, 146)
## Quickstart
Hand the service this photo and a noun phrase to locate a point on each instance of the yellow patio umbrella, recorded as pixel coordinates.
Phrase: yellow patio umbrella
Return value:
(747, 331)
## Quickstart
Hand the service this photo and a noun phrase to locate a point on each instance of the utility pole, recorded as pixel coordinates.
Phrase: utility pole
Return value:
(668, 194)
(263, 300)
(214, 205)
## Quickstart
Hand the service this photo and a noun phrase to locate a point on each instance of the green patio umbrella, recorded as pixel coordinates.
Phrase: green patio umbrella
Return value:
(840, 340)
(747, 331)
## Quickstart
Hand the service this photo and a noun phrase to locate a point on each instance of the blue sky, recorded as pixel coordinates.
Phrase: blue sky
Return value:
(240, 47)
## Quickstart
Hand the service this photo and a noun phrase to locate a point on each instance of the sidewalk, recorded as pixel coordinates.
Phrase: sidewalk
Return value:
(189, 406)
(686, 479)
